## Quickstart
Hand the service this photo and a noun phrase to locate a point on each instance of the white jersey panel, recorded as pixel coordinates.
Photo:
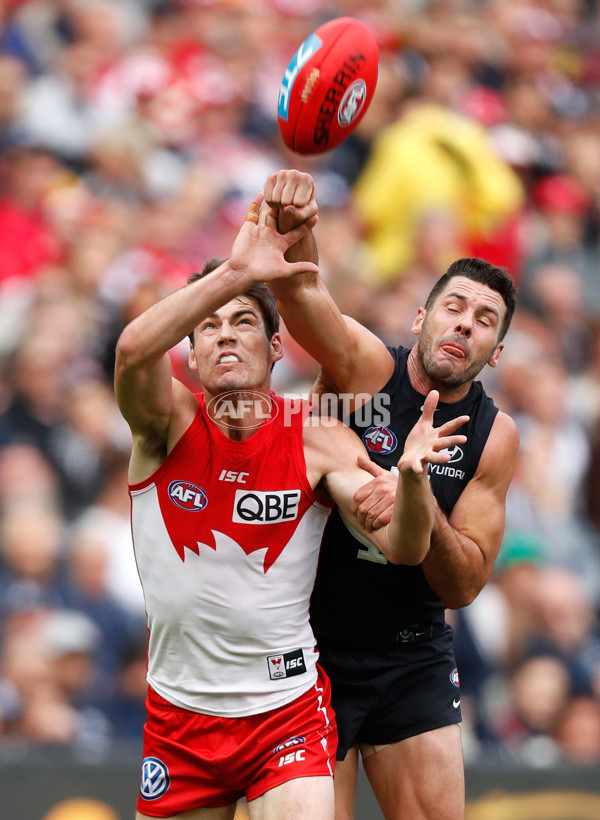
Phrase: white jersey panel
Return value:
(227, 637)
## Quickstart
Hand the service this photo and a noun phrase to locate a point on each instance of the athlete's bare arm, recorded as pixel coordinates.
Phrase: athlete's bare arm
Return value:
(464, 545)
(353, 359)
(332, 452)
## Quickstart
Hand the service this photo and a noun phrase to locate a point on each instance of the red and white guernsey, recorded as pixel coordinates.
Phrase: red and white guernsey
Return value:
(227, 537)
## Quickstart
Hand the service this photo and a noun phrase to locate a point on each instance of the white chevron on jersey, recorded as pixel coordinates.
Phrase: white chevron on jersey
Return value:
(217, 615)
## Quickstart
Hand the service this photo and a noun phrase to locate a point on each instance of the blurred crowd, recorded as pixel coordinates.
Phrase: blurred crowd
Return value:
(133, 135)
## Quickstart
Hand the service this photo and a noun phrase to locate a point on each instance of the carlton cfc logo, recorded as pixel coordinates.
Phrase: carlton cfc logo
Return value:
(188, 496)
(380, 440)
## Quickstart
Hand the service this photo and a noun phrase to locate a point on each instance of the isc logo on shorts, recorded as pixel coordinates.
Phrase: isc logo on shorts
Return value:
(265, 507)
(286, 665)
(155, 778)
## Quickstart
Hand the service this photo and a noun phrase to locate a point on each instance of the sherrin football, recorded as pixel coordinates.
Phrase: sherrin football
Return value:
(328, 86)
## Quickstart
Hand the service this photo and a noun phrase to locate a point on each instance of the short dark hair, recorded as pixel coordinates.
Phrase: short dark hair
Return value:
(479, 270)
(266, 302)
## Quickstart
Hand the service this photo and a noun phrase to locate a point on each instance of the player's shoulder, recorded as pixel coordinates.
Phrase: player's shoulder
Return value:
(329, 438)
(502, 447)
(365, 365)
(505, 428)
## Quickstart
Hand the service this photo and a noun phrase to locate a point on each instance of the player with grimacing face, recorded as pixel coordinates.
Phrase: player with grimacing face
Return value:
(396, 688)
(227, 514)
(458, 331)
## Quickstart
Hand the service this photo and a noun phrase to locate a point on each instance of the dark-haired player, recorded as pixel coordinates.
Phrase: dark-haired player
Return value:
(230, 491)
(380, 629)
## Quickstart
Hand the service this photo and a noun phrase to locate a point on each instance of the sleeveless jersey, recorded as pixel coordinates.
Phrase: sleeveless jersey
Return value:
(359, 597)
(226, 537)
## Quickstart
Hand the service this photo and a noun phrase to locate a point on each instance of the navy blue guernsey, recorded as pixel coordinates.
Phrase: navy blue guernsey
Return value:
(359, 597)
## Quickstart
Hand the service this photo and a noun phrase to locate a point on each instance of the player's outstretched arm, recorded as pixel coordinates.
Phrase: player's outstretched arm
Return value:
(353, 359)
(465, 545)
(335, 450)
(143, 383)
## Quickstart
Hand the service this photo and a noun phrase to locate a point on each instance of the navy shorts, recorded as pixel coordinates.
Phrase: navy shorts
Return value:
(383, 694)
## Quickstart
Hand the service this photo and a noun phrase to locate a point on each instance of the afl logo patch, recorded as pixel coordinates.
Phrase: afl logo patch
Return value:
(352, 103)
(188, 496)
(155, 778)
(454, 678)
(380, 440)
(292, 741)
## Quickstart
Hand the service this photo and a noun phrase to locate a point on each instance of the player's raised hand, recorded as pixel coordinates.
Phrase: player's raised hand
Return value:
(426, 443)
(290, 194)
(259, 248)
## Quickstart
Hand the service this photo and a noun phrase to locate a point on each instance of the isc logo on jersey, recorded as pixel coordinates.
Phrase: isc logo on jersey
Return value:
(286, 665)
(259, 507)
(188, 496)
(380, 440)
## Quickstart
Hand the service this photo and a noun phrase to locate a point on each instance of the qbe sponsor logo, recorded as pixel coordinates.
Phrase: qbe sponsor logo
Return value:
(454, 679)
(187, 496)
(352, 103)
(155, 778)
(261, 507)
(286, 665)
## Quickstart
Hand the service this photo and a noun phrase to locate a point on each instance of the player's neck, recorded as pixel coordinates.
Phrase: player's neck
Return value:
(239, 413)
(421, 382)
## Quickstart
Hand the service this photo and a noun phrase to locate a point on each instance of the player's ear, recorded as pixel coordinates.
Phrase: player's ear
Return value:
(418, 321)
(276, 345)
(192, 363)
(493, 360)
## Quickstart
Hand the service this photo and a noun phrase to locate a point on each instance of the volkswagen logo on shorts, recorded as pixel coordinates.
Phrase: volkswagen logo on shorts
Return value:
(155, 778)
(188, 496)
(379, 439)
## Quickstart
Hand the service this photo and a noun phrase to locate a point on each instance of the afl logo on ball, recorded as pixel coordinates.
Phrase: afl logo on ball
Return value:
(352, 103)
(188, 496)
(155, 778)
(380, 440)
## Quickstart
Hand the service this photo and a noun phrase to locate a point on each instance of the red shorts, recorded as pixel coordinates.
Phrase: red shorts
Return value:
(201, 761)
